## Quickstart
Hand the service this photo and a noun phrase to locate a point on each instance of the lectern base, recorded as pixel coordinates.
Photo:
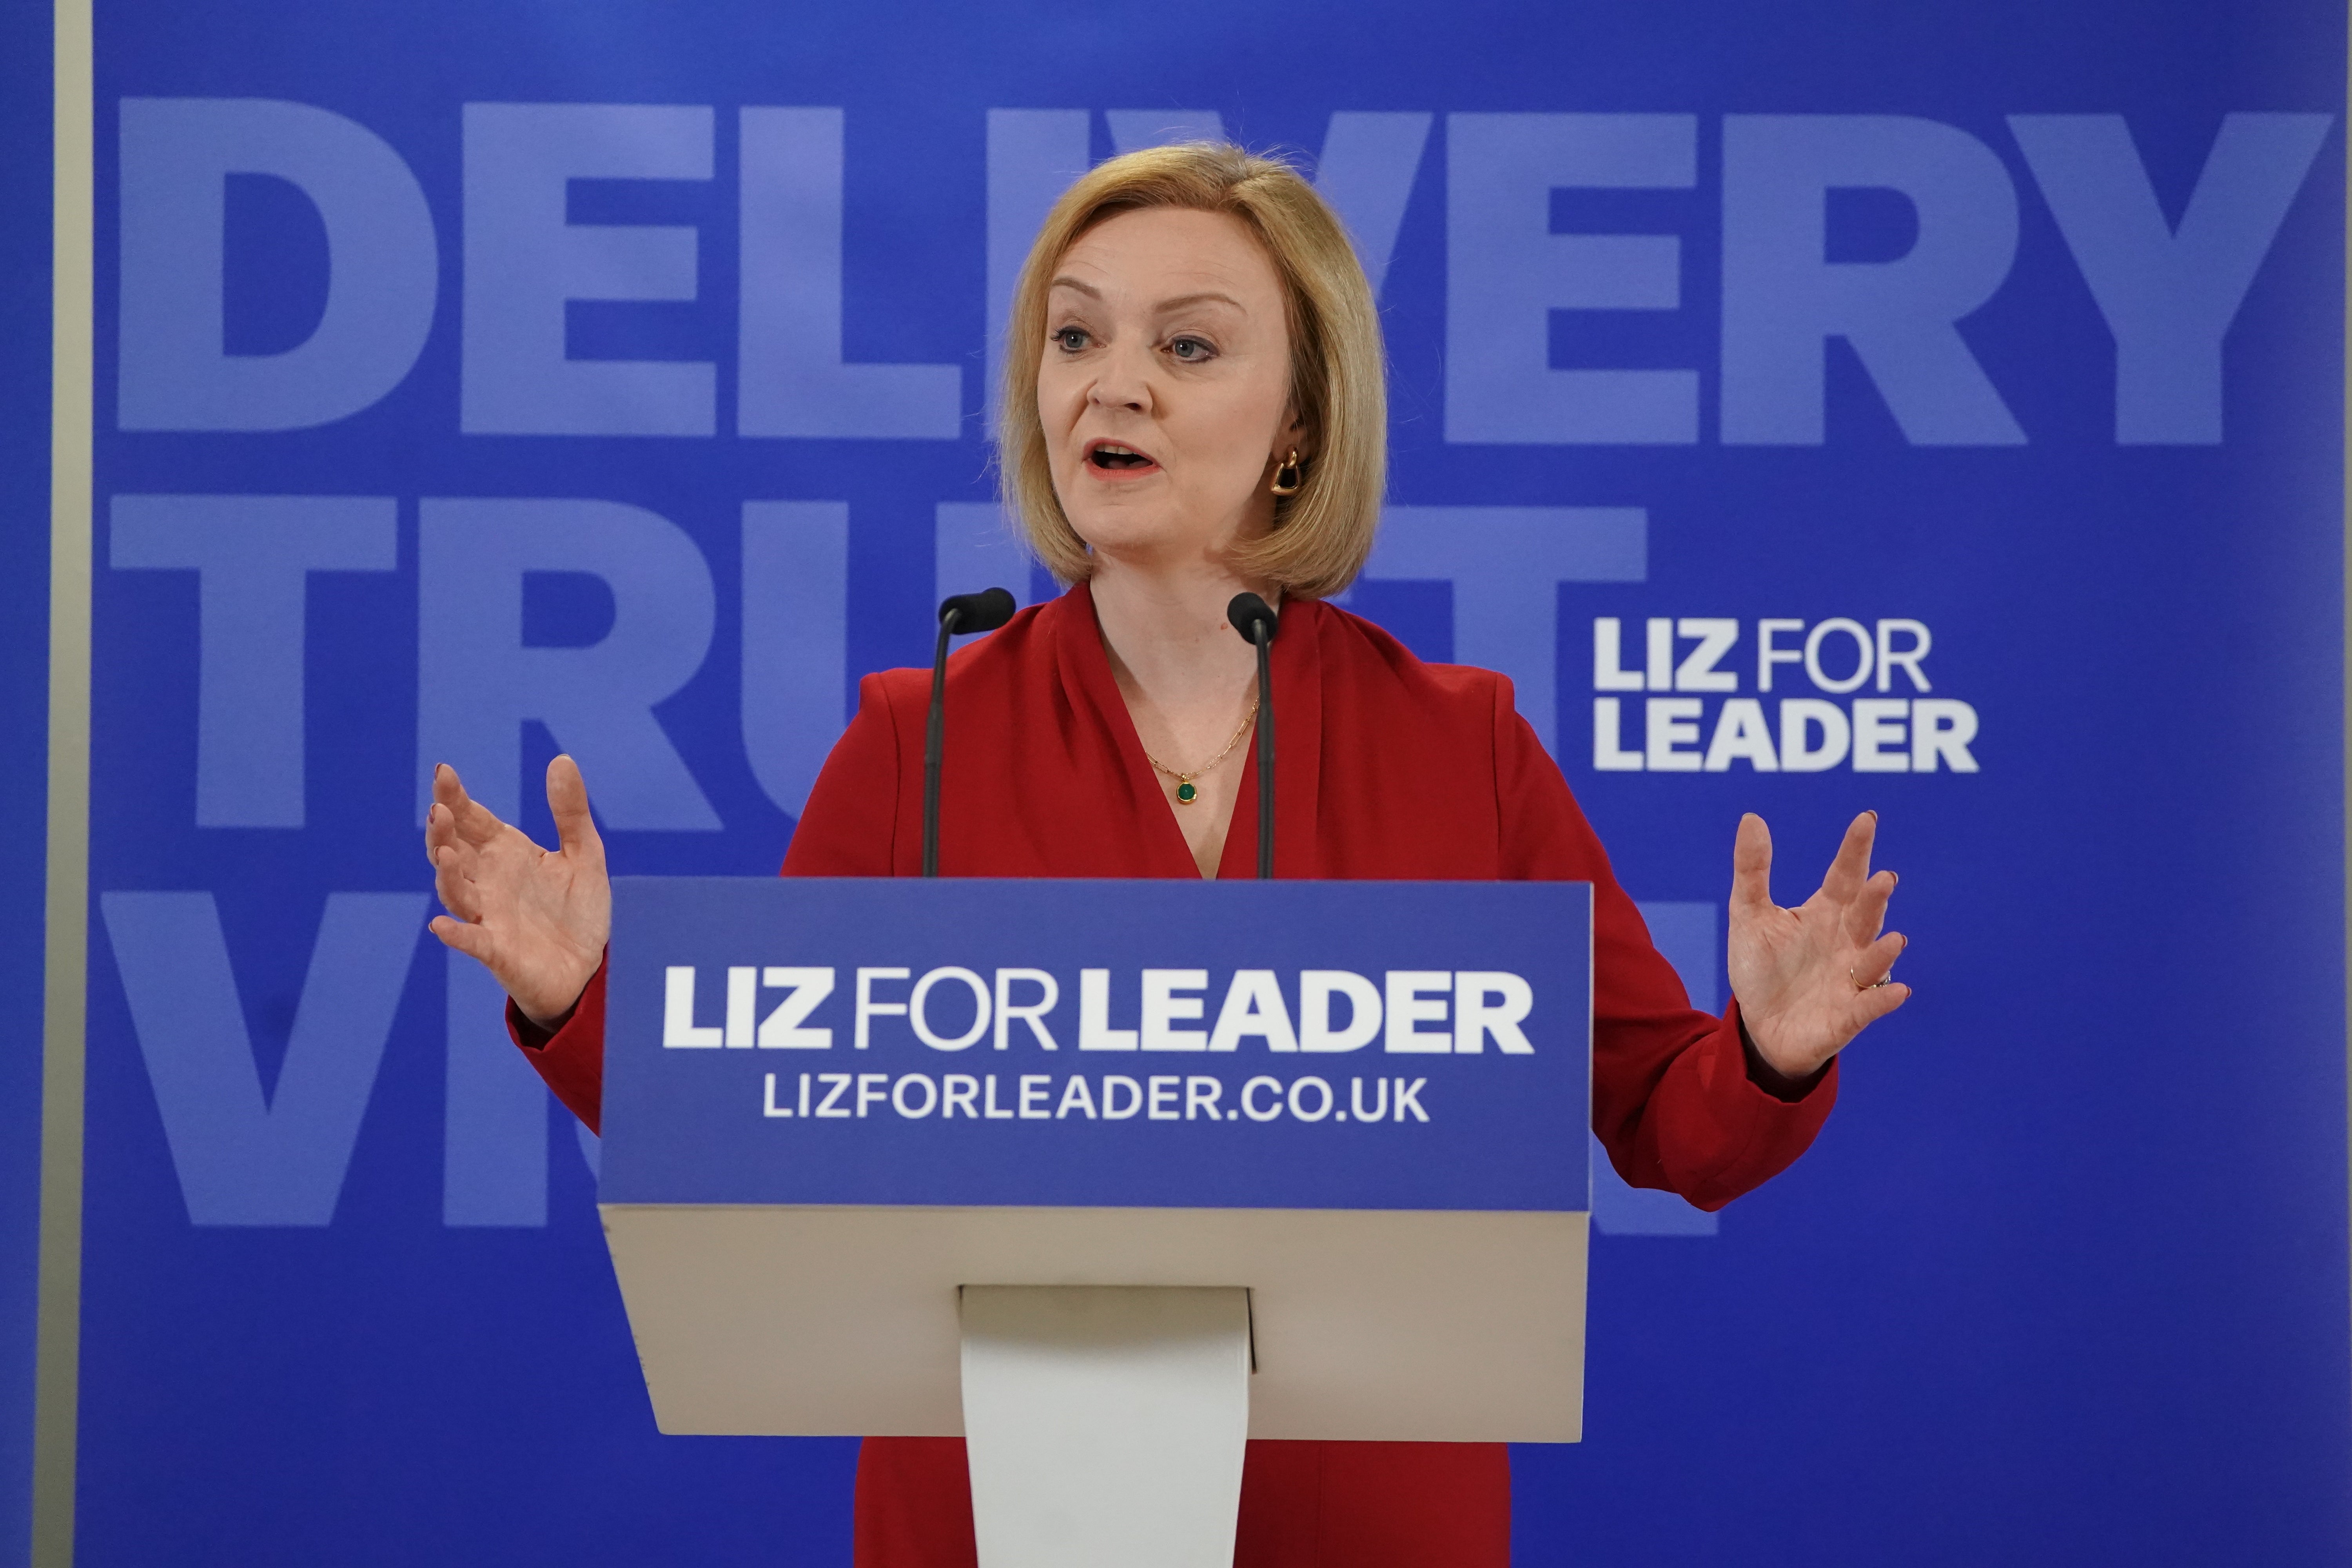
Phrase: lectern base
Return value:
(1106, 1423)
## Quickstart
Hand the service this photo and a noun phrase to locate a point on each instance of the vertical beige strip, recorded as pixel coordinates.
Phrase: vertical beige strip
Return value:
(56, 1379)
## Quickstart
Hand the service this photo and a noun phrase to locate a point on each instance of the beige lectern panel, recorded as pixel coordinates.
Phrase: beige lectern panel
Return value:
(1384, 1325)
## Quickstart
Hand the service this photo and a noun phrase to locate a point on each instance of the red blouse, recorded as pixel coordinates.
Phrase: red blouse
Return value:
(1390, 768)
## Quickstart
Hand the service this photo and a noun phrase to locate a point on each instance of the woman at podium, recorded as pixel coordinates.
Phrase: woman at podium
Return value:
(1194, 408)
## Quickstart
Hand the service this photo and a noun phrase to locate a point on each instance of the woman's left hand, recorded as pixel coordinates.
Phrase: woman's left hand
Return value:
(1811, 978)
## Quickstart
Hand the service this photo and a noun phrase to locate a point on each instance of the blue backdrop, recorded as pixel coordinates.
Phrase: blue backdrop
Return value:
(476, 379)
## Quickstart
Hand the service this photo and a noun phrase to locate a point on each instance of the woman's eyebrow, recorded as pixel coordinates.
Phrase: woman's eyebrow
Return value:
(1206, 297)
(1182, 300)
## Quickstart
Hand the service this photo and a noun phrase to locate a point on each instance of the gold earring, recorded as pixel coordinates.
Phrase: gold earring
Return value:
(1297, 479)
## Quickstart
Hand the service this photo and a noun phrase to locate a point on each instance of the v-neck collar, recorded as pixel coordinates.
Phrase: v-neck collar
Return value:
(1297, 672)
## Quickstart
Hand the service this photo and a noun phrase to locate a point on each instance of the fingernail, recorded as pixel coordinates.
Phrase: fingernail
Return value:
(1898, 879)
(1871, 814)
(1906, 947)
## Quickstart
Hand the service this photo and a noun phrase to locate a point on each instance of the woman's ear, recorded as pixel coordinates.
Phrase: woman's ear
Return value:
(1295, 433)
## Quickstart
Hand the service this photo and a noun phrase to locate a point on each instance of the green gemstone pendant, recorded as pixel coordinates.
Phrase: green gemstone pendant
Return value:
(1186, 794)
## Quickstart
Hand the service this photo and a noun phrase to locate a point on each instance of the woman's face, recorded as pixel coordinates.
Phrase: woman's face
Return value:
(1165, 386)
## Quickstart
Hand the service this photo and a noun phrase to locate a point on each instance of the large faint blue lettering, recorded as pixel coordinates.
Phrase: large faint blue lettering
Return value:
(792, 379)
(525, 263)
(253, 557)
(795, 641)
(173, 370)
(477, 681)
(1366, 171)
(1505, 272)
(494, 1120)
(2169, 294)
(1033, 157)
(243, 1156)
(1783, 299)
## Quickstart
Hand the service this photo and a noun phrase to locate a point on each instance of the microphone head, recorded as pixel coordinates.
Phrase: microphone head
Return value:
(1248, 611)
(981, 612)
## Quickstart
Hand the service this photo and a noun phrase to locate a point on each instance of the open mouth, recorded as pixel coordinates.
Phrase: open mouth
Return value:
(1111, 458)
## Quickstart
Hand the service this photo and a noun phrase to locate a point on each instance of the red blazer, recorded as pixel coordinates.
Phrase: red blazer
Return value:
(1390, 768)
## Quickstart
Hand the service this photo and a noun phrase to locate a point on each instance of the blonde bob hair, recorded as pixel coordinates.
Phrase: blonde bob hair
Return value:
(1322, 535)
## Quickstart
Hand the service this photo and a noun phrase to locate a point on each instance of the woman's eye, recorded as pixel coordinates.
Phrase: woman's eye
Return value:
(1191, 349)
(1070, 339)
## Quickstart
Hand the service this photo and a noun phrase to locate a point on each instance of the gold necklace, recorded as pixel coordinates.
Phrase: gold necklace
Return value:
(1186, 794)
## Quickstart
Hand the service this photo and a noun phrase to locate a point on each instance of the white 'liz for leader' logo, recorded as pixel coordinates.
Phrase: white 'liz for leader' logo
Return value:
(1898, 729)
(1426, 1012)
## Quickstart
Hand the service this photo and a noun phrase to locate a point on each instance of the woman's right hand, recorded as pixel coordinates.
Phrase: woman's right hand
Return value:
(538, 921)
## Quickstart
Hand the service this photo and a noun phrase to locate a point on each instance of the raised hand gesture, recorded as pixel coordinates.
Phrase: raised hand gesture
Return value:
(1811, 978)
(536, 921)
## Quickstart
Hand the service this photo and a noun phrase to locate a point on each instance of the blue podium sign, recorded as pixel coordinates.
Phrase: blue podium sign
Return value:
(1362, 1045)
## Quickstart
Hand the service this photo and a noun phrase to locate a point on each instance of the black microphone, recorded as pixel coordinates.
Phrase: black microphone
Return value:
(960, 615)
(1254, 620)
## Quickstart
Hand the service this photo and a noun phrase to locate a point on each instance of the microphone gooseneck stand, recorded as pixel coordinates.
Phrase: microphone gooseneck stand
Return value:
(1254, 620)
(963, 615)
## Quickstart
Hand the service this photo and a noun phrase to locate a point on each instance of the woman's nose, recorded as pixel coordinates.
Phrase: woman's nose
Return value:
(1125, 382)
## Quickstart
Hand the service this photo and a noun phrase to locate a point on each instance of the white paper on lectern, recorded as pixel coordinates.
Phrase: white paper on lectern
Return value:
(1105, 1424)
